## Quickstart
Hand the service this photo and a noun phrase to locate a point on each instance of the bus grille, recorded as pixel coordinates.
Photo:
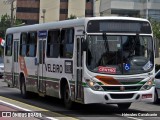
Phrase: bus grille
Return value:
(121, 96)
(118, 88)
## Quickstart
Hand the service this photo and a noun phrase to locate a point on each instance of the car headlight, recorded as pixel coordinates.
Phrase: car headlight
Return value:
(93, 85)
(148, 84)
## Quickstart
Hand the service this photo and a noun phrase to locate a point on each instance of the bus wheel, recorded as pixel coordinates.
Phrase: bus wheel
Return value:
(124, 106)
(24, 93)
(67, 98)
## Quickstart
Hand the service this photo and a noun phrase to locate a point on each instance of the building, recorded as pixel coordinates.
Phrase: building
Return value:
(39, 11)
(5, 7)
(135, 8)
(56, 10)
(28, 11)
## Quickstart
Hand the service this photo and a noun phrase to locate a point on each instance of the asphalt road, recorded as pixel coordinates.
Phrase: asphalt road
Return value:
(83, 112)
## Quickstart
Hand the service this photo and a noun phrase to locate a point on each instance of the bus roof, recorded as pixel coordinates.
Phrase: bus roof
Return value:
(65, 23)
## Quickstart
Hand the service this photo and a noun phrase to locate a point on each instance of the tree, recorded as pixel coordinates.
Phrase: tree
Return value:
(156, 28)
(72, 17)
(5, 22)
(156, 34)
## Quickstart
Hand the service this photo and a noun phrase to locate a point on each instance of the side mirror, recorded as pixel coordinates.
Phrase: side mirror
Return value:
(156, 47)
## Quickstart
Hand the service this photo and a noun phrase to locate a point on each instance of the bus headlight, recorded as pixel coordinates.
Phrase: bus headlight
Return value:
(93, 85)
(147, 85)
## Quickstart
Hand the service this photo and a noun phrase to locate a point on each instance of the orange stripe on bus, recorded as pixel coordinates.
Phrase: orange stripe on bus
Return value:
(107, 80)
(23, 65)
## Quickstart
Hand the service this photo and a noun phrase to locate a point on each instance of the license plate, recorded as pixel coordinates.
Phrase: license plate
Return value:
(146, 96)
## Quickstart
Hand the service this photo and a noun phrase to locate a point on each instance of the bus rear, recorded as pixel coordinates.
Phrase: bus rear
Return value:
(118, 61)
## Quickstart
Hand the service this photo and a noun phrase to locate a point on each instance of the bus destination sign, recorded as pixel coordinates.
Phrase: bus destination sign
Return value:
(42, 34)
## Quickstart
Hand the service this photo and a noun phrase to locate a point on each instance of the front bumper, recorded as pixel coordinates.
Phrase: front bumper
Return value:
(91, 96)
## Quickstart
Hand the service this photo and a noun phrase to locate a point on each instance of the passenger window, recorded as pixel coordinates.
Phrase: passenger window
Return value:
(9, 40)
(53, 43)
(67, 42)
(23, 44)
(32, 44)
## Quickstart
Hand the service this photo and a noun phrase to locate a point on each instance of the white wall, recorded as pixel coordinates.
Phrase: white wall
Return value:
(5, 8)
(52, 10)
(77, 8)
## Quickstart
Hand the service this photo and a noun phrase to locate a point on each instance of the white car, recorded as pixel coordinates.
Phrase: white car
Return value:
(157, 87)
(1, 67)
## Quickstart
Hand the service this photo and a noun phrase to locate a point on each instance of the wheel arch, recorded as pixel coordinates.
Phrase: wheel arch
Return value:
(63, 82)
(21, 75)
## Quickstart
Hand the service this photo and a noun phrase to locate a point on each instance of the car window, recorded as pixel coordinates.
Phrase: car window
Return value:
(157, 75)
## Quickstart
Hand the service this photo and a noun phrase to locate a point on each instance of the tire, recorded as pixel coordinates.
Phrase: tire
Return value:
(124, 106)
(8, 85)
(24, 93)
(156, 99)
(67, 98)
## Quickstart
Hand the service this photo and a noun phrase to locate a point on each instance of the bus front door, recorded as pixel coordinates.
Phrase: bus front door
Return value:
(41, 66)
(15, 64)
(79, 88)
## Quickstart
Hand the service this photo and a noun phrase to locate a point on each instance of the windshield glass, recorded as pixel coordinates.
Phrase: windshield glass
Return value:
(120, 54)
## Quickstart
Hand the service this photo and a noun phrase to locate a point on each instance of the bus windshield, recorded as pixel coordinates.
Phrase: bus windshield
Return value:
(124, 54)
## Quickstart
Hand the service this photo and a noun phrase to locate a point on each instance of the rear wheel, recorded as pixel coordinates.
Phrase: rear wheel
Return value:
(24, 93)
(8, 85)
(124, 106)
(67, 98)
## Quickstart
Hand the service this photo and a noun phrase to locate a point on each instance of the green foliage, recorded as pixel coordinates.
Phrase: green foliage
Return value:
(156, 28)
(72, 17)
(5, 22)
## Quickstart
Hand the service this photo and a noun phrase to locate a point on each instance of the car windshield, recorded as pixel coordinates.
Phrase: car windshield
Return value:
(132, 54)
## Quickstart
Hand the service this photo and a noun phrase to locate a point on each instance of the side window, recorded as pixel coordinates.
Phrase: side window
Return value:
(53, 43)
(32, 44)
(67, 42)
(9, 41)
(23, 44)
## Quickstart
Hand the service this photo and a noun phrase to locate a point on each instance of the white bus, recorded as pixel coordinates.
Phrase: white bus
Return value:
(89, 60)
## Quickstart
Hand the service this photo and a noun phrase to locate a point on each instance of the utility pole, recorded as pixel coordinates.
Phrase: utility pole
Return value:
(12, 10)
